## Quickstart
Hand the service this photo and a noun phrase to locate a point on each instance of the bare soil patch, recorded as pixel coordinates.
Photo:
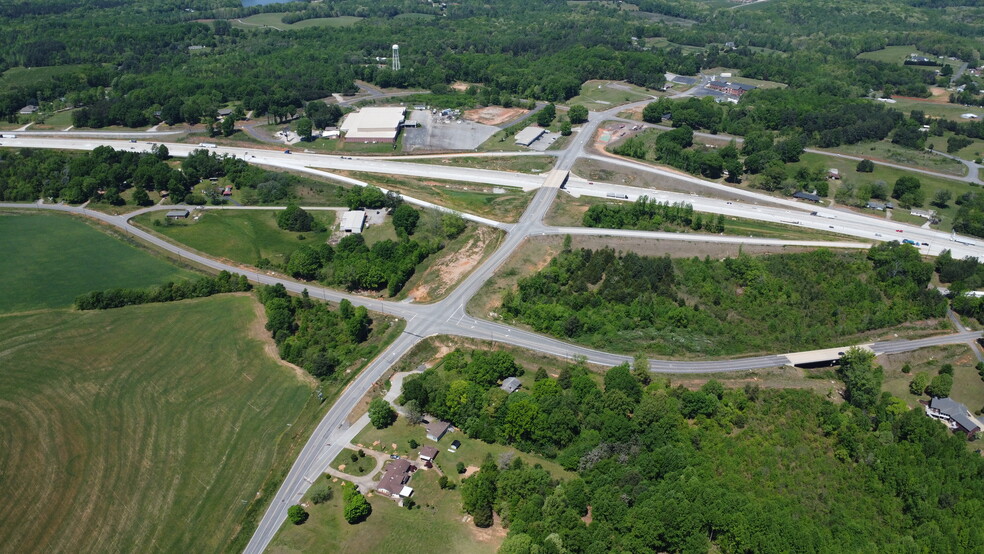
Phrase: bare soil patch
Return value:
(493, 115)
(452, 268)
(496, 533)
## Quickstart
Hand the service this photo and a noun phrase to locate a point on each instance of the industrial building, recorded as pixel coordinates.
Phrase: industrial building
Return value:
(529, 135)
(373, 125)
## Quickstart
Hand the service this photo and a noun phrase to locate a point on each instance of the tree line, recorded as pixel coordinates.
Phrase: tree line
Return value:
(651, 215)
(171, 291)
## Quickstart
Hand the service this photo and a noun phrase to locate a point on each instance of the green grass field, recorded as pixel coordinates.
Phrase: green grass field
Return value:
(934, 109)
(143, 429)
(885, 150)
(343, 462)
(436, 526)
(973, 151)
(463, 197)
(27, 76)
(275, 20)
(602, 95)
(47, 260)
(241, 236)
(737, 78)
(898, 54)
(967, 385)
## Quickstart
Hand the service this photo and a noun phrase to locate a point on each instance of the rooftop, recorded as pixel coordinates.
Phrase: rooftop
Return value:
(528, 135)
(437, 427)
(428, 452)
(510, 384)
(373, 123)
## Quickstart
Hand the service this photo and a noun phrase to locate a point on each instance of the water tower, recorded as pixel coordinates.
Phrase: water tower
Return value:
(396, 57)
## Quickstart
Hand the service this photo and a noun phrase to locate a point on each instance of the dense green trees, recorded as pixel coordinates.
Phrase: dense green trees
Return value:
(650, 215)
(294, 218)
(313, 336)
(577, 114)
(742, 304)
(675, 469)
(862, 378)
(168, 292)
(356, 508)
(405, 219)
(381, 414)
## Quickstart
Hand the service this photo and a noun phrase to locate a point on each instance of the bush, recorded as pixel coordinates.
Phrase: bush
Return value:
(940, 386)
(865, 166)
(460, 467)
(946, 369)
(409, 503)
(919, 383)
(357, 508)
(296, 514)
(294, 218)
(355, 457)
(321, 494)
(413, 444)
(443, 482)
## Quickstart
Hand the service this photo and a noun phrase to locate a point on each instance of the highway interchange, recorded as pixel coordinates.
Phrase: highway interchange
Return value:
(448, 316)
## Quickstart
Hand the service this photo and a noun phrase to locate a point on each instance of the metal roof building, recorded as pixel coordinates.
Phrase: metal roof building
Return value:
(528, 135)
(373, 124)
(352, 221)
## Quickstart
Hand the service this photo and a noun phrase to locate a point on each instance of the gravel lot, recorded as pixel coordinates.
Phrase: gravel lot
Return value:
(437, 133)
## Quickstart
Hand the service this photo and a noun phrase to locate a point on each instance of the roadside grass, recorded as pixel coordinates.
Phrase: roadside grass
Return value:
(436, 524)
(477, 199)
(888, 175)
(502, 141)
(663, 43)
(49, 259)
(143, 428)
(602, 95)
(363, 466)
(568, 211)
(375, 233)
(355, 148)
(58, 120)
(522, 164)
(934, 109)
(973, 151)
(238, 235)
(275, 20)
(885, 150)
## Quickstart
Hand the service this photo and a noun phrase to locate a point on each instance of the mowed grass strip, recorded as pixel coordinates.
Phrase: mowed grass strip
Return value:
(46, 260)
(242, 236)
(142, 429)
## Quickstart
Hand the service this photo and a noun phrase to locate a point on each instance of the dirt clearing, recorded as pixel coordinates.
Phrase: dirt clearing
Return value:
(453, 267)
(494, 115)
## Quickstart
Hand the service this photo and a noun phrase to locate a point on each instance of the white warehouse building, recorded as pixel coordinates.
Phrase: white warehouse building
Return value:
(373, 124)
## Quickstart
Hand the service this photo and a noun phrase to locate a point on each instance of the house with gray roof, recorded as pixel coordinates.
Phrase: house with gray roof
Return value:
(510, 385)
(955, 415)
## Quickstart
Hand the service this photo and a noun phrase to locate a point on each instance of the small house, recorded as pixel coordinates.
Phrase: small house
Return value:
(437, 429)
(177, 214)
(428, 453)
(225, 112)
(510, 385)
(806, 196)
(397, 475)
(834, 173)
(880, 206)
(955, 415)
(28, 109)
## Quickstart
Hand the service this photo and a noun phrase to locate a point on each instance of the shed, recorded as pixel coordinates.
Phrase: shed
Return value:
(455, 445)
(510, 385)
(177, 214)
(428, 453)
(225, 111)
(529, 135)
(353, 221)
(28, 109)
(806, 196)
(437, 429)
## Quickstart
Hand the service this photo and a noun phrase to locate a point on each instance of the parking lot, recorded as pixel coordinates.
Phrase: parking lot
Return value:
(440, 133)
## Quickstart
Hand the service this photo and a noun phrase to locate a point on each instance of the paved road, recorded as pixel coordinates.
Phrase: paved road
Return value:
(448, 316)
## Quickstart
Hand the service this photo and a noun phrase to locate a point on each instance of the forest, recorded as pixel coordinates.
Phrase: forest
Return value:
(313, 336)
(670, 469)
(741, 305)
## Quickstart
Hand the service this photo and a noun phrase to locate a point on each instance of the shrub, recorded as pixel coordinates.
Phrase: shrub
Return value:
(321, 494)
(296, 514)
(413, 444)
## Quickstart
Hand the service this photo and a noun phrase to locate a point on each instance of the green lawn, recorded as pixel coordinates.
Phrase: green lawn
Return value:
(973, 151)
(436, 525)
(27, 76)
(143, 429)
(46, 260)
(885, 150)
(898, 54)
(602, 95)
(889, 175)
(967, 385)
(238, 235)
(472, 451)
(934, 109)
(737, 78)
(363, 466)
(275, 20)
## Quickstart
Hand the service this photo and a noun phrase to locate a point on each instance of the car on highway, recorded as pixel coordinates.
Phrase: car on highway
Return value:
(286, 151)
(910, 241)
(898, 230)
